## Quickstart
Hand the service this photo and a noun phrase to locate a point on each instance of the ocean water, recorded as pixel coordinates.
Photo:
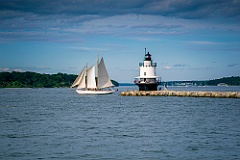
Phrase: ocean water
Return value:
(60, 124)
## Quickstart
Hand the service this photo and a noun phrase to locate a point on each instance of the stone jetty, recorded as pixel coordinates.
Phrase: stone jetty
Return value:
(183, 94)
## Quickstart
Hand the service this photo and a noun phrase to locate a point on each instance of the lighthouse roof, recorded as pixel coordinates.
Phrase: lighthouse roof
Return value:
(148, 57)
(148, 54)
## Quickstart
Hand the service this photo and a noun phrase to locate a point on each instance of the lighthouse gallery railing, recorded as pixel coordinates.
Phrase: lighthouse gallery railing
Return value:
(152, 65)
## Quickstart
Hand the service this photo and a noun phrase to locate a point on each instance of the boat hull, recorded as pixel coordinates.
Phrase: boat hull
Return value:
(100, 92)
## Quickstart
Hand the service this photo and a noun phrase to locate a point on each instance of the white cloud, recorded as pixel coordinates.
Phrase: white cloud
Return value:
(233, 65)
(4, 69)
(205, 42)
(18, 70)
(167, 67)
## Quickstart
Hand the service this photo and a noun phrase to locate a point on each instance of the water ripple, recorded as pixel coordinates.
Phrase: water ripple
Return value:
(60, 124)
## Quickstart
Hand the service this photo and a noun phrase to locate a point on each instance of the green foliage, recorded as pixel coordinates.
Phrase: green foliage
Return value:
(230, 81)
(37, 80)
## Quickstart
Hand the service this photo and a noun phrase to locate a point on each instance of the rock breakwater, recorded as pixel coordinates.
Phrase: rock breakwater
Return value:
(183, 94)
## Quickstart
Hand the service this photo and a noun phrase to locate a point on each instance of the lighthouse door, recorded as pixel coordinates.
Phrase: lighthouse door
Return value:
(144, 79)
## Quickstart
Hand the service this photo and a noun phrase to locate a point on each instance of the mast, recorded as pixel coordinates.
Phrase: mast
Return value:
(97, 59)
(97, 65)
(86, 75)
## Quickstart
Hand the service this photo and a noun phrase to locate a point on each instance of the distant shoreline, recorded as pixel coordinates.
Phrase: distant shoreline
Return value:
(63, 80)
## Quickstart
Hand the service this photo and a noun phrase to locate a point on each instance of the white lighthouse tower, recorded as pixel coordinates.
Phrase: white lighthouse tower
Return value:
(147, 81)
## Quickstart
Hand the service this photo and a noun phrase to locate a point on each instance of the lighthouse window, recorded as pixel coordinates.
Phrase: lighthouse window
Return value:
(144, 73)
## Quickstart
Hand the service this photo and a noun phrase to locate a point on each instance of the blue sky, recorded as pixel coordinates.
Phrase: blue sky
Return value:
(188, 39)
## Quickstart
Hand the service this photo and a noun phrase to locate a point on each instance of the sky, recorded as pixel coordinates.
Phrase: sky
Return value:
(188, 39)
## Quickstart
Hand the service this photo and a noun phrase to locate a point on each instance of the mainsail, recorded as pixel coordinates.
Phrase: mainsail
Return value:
(103, 78)
(91, 82)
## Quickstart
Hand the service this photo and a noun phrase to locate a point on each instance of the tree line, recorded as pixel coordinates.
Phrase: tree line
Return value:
(37, 80)
(230, 81)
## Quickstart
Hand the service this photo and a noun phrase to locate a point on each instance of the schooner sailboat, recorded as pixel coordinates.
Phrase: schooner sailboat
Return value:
(87, 83)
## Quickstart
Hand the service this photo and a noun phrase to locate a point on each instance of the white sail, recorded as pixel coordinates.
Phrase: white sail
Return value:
(87, 84)
(78, 79)
(103, 78)
(82, 83)
(91, 82)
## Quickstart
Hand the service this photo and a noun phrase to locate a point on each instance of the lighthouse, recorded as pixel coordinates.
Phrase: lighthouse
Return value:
(148, 80)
